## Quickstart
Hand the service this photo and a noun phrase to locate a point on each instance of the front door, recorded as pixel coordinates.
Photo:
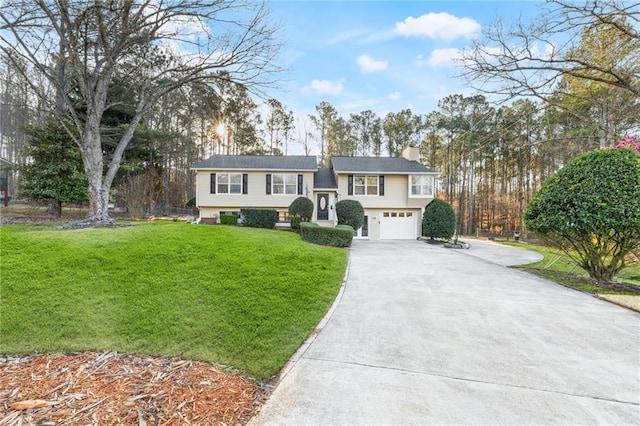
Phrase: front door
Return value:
(322, 207)
(362, 232)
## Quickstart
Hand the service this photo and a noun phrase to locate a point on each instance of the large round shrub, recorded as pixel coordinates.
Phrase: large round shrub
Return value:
(301, 210)
(350, 212)
(438, 220)
(591, 210)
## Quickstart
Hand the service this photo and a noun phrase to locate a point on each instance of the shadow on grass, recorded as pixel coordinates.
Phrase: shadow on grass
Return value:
(586, 284)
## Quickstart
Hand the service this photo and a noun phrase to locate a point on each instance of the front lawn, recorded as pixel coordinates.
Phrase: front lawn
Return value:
(557, 266)
(240, 297)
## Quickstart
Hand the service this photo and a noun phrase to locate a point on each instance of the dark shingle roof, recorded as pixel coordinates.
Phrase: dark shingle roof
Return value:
(324, 179)
(378, 165)
(258, 162)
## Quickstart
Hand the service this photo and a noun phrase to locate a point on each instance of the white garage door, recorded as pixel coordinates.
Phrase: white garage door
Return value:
(399, 225)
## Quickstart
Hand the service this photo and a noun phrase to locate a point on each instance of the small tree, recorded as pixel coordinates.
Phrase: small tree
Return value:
(301, 210)
(591, 210)
(438, 220)
(56, 172)
(350, 212)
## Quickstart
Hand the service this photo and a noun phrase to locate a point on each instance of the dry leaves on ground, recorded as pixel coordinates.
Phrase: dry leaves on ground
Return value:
(111, 389)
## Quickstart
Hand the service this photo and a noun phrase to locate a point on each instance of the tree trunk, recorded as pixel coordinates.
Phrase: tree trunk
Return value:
(98, 199)
(54, 208)
(93, 166)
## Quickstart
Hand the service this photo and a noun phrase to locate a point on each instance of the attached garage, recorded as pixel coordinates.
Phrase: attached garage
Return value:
(399, 224)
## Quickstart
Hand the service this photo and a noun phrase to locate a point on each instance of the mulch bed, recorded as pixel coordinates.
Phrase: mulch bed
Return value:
(93, 388)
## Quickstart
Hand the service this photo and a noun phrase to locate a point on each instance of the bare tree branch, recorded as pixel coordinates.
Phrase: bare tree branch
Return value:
(158, 46)
(532, 60)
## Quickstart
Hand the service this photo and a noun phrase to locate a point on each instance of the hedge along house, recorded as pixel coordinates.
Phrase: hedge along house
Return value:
(393, 191)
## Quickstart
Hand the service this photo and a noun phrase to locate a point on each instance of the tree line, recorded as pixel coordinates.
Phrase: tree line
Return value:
(160, 115)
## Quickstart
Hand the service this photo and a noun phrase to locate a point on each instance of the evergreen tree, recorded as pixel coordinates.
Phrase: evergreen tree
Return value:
(56, 172)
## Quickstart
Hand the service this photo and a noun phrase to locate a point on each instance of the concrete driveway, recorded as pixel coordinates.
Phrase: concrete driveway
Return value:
(427, 335)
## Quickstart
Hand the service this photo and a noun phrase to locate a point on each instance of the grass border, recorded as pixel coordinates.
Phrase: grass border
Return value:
(582, 283)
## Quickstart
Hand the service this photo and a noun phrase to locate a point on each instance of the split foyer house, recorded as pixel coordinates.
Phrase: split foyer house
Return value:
(392, 190)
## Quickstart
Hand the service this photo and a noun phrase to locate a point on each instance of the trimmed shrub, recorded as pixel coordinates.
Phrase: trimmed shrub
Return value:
(302, 207)
(295, 223)
(340, 236)
(590, 209)
(228, 219)
(438, 220)
(259, 218)
(350, 212)
(301, 210)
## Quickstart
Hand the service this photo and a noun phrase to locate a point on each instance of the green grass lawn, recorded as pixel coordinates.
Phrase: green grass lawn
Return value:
(559, 267)
(240, 297)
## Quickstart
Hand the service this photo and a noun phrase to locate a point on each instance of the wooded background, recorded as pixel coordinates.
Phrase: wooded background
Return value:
(494, 152)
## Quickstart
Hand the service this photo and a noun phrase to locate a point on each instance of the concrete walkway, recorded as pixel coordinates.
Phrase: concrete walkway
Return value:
(427, 335)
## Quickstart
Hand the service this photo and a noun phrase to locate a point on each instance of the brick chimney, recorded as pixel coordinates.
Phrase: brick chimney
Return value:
(411, 153)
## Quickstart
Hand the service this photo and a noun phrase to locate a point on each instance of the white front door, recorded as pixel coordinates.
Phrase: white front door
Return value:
(399, 225)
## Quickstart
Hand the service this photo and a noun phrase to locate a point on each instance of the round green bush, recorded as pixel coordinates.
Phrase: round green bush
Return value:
(438, 220)
(301, 210)
(350, 212)
(591, 210)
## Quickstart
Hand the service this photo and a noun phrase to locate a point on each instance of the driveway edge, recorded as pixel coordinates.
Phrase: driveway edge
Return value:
(312, 337)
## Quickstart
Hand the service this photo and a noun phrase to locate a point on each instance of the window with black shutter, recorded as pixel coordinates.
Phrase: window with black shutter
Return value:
(299, 184)
(381, 184)
(212, 183)
(245, 183)
(350, 185)
(268, 183)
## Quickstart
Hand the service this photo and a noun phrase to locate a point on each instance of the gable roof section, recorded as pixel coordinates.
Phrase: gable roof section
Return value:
(398, 165)
(258, 162)
(324, 179)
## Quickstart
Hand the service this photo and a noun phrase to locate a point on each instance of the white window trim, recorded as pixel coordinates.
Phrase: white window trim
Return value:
(433, 183)
(366, 186)
(229, 184)
(284, 185)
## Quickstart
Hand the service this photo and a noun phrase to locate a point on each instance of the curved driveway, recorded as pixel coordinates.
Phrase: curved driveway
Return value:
(427, 335)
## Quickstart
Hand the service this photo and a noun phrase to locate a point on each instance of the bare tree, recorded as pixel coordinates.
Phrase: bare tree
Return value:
(158, 45)
(533, 59)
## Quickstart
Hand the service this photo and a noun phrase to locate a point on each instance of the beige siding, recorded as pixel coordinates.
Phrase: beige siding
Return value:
(396, 194)
(256, 193)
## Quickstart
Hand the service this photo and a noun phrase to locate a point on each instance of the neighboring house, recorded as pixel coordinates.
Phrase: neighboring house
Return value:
(393, 191)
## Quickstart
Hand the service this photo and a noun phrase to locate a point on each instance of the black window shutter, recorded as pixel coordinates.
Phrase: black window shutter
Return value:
(299, 184)
(212, 184)
(350, 185)
(268, 183)
(381, 184)
(245, 182)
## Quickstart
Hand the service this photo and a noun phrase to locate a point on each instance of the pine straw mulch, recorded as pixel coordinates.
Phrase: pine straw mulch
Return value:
(93, 388)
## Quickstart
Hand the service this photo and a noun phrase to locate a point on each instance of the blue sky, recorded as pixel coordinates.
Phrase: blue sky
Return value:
(379, 55)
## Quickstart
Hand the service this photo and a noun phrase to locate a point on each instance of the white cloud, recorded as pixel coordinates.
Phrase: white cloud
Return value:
(443, 57)
(325, 87)
(368, 65)
(546, 51)
(437, 26)
(394, 96)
